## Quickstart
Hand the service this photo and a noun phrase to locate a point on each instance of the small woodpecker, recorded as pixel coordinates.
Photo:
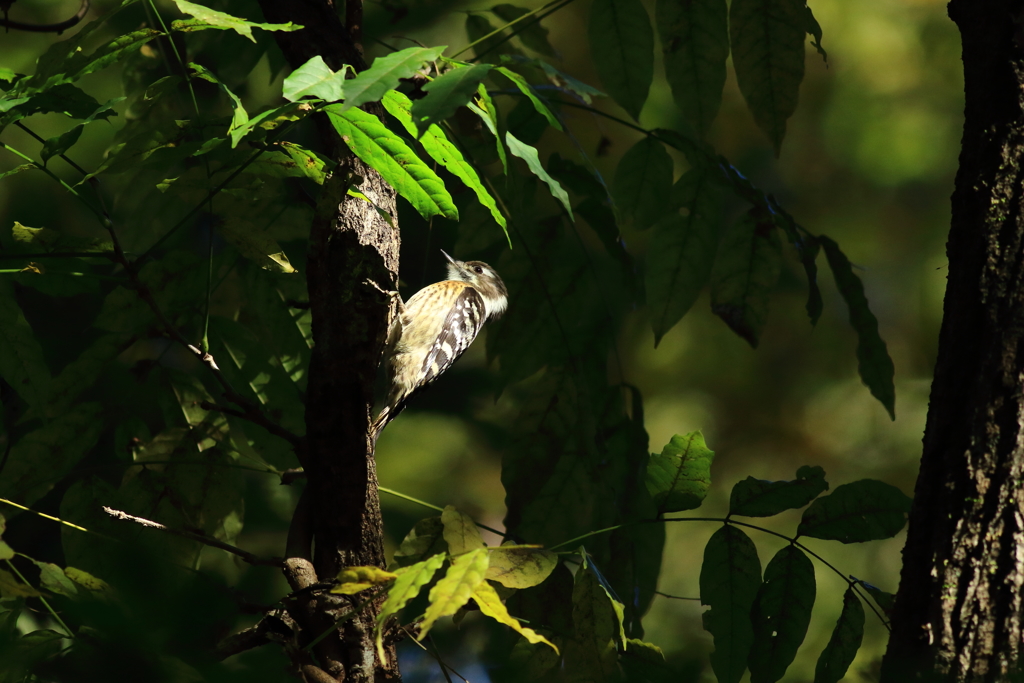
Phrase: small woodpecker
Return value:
(434, 328)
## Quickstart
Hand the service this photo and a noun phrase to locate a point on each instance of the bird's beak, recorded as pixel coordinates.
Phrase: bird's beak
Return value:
(450, 259)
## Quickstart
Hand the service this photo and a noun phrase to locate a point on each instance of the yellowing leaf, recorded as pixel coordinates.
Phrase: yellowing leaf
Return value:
(490, 604)
(407, 586)
(455, 589)
(355, 579)
(460, 532)
(520, 566)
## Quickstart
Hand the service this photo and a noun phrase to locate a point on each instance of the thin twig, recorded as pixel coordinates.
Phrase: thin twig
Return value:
(253, 415)
(674, 597)
(198, 537)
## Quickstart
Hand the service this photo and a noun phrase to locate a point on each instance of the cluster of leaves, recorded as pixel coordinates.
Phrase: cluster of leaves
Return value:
(205, 240)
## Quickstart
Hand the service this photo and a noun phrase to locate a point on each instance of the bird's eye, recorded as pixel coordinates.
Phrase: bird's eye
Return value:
(478, 270)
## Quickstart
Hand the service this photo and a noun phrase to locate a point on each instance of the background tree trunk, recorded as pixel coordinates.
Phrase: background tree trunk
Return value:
(958, 613)
(353, 260)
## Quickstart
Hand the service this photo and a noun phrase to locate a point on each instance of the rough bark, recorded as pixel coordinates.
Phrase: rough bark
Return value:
(958, 613)
(353, 261)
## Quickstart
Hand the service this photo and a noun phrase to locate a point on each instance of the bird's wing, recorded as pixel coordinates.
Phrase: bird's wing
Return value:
(464, 321)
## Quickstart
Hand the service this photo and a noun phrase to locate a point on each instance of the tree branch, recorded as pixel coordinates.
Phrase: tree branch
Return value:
(198, 537)
(57, 28)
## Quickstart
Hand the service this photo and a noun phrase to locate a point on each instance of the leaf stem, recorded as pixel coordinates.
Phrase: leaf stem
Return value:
(46, 604)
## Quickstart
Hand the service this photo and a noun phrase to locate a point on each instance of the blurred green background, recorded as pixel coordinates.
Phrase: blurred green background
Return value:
(869, 160)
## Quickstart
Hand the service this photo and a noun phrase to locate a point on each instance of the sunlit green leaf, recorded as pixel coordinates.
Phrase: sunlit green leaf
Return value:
(622, 47)
(221, 20)
(519, 566)
(455, 589)
(314, 79)
(873, 361)
(239, 117)
(443, 151)
(385, 74)
(768, 55)
(527, 90)
(758, 498)
(406, 587)
(529, 155)
(865, 510)
(447, 93)
(679, 477)
(846, 638)
(745, 273)
(695, 42)
(485, 109)
(781, 614)
(730, 577)
(490, 604)
(385, 152)
(424, 540)
(460, 532)
(682, 249)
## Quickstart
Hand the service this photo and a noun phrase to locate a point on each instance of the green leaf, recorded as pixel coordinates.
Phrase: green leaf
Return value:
(533, 36)
(460, 532)
(66, 61)
(758, 498)
(679, 477)
(566, 82)
(446, 93)
(622, 47)
(22, 364)
(681, 253)
(485, 109)
(41, 458)
(268, 120)
(865, 510)
(520, 566)
(490, 604)
(477, 26)
(385, 74)
(385, 152)
(454, 590)
(695, 43)
(59, 144)
(424, 540)
(745, 273)
(527, 90)
(643, 180)
(846, 638)
(220, 20)
(873, 361)
(730, 577)
(529, 155)
(48, 239)
(239, 117)
(314, 79)
(406, 587)
(441, 150)
(591, 652)
(18, 169)
(255, 244)
(768, 56)
(781, 614)
(886, 601)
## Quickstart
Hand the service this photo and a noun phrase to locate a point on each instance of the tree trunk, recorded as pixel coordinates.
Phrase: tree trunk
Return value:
(353, 262)
(958, 613)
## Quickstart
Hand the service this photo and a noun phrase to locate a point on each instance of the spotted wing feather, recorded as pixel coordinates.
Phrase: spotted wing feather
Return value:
(465, 320)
